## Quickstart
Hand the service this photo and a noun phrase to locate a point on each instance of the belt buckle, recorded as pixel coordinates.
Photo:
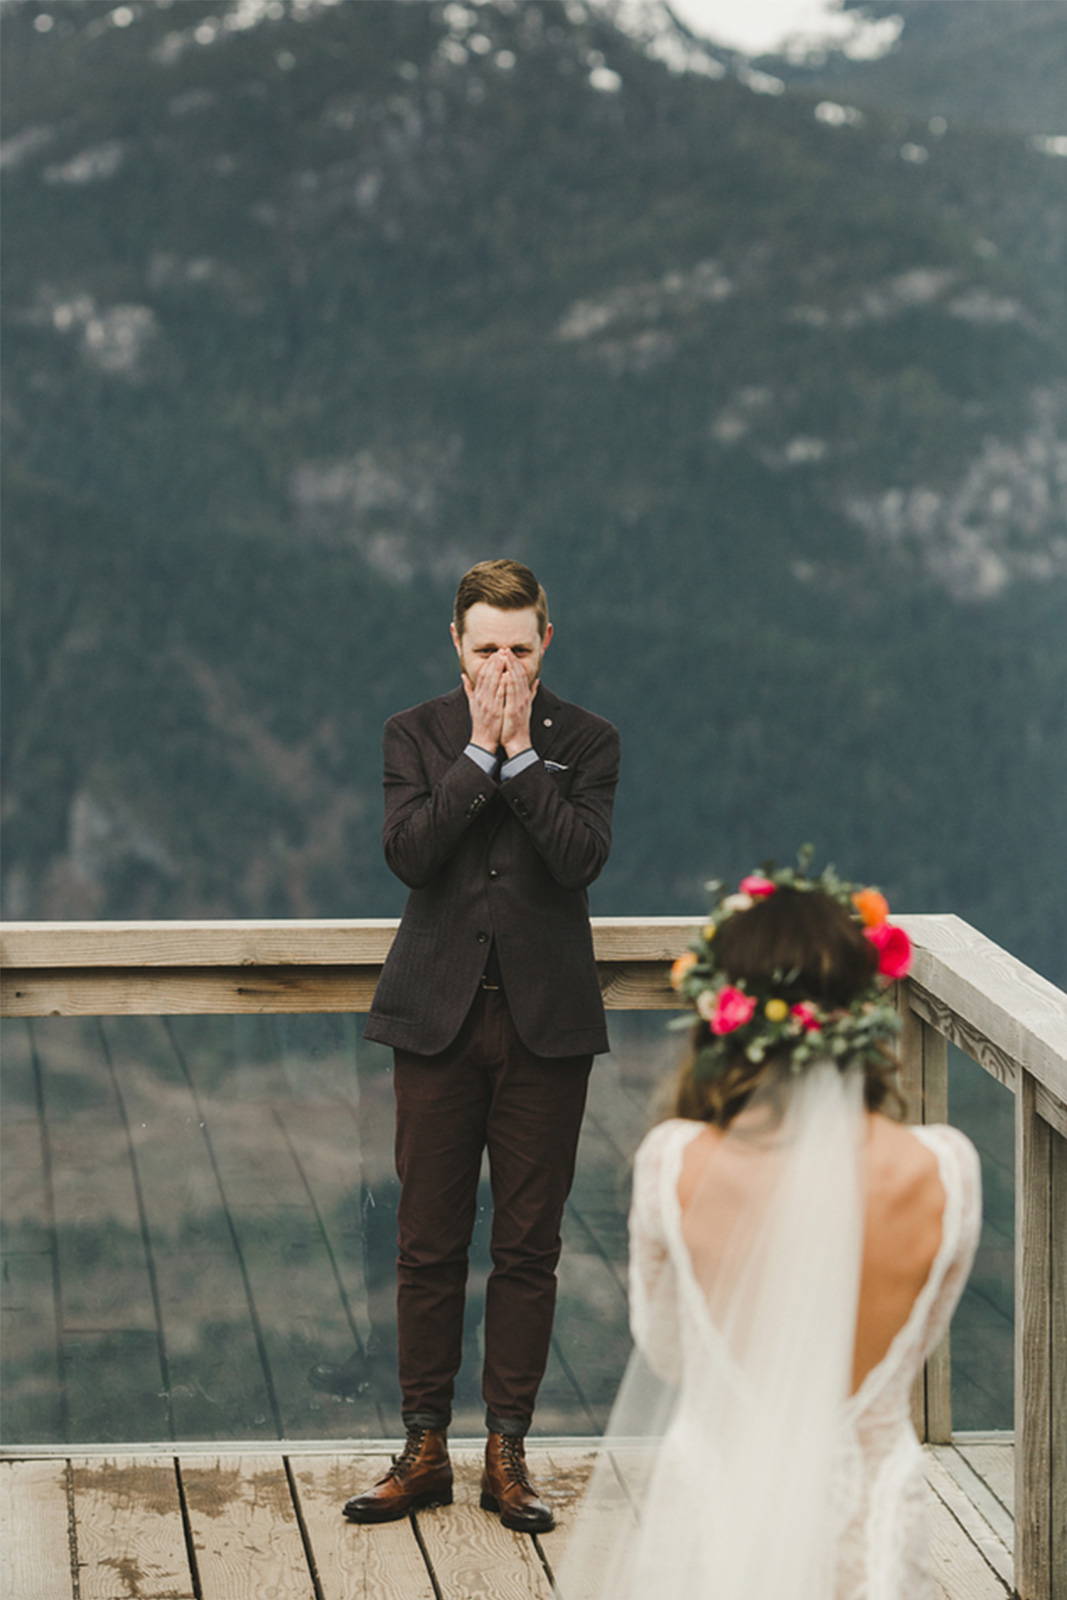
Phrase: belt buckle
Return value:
(493, 988)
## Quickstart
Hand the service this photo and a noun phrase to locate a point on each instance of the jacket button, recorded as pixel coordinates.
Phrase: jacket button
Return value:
(483, 938)
(493, 873)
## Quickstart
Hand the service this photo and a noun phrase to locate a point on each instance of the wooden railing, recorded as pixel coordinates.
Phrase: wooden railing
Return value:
(963, 989)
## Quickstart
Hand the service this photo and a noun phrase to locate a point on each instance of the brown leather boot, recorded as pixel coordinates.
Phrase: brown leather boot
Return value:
(421, 1475)
(506, 1486)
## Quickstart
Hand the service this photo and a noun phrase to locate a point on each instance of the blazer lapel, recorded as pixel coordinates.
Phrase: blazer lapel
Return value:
(454, 716)
(545, 721)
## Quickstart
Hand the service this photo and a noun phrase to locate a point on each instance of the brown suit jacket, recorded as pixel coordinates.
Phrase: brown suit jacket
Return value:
(507, 863)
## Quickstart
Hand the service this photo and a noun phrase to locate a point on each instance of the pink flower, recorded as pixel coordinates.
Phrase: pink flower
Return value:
(805, 1015)
(733, 1009)
(894, 949)
(756, 885)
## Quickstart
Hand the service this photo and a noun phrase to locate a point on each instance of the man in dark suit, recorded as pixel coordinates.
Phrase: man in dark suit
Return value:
(498, 802)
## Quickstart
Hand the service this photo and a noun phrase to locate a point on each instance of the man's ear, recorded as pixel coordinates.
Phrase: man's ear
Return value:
(455, 637)
(547, 640)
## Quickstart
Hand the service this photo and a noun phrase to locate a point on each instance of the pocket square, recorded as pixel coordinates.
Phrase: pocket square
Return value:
(556, 766)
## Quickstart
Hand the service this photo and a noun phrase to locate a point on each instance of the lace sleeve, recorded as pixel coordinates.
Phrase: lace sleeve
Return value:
(962, 1175)
(653, 1284)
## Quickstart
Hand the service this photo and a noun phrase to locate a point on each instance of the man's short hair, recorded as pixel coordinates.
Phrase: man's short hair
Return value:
(507, 585)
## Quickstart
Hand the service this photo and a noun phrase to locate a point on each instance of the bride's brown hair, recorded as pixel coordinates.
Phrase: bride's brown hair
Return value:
(822, 951)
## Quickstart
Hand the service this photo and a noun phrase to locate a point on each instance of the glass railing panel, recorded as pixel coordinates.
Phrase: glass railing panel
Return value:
(199, 1219)
(983, 1328)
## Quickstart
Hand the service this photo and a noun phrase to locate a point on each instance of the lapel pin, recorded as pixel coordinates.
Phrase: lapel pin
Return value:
(548, 722)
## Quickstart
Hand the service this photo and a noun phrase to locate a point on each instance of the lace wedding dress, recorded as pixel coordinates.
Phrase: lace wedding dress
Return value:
(737, 1466)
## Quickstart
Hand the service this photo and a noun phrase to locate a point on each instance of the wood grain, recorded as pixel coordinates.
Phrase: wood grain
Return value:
(995, 1465)
(356, 1562)
(1016, 1010)
(226, 991)
(245, 1531)
(1058, 1362)
(474, 1557)
(1033, 1347)
(961, 1466)
(565, 1475)
(36, 1549)
(284, 942)
(129, 1529)
(968, 1558)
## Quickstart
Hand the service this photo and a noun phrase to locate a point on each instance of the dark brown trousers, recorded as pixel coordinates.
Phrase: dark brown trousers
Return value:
(485, 1091)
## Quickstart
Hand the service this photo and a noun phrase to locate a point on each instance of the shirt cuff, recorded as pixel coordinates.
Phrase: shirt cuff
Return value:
(482, 758)
(516, 764)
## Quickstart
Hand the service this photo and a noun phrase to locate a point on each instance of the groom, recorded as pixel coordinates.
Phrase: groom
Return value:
(498, 804)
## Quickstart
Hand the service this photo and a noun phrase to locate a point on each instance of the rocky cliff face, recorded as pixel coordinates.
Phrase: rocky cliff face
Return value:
(310, 305)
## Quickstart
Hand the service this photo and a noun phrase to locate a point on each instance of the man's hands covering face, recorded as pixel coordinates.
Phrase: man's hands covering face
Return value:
(500, 704)
(518, 700)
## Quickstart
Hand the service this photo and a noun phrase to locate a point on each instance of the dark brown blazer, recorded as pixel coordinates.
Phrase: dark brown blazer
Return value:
(507, 863)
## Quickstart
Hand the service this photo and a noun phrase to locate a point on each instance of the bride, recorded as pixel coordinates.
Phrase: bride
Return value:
(795, 1253)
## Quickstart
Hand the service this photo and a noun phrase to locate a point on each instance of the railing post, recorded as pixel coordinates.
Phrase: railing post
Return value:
(924, 1084)
(1040, 1273)
(1058, 1362)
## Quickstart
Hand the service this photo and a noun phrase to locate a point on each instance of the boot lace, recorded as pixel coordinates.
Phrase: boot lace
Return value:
(403, 1463)
(512, 1451)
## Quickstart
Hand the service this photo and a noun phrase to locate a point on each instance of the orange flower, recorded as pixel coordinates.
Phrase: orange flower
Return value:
(872, 906)
(684, 964)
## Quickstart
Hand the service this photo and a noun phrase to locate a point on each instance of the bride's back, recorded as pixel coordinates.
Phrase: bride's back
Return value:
(903, 1206)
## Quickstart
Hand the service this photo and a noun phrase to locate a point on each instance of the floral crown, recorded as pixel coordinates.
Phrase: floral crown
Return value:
(756, 1022)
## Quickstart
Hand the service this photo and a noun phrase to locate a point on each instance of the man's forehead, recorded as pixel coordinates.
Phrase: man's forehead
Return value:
(485, 624)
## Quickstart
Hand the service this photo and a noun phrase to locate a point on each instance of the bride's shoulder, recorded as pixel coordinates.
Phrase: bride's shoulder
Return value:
(948, 1144)
(666, 1135)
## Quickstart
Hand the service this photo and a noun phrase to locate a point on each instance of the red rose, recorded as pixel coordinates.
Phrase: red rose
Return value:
(732, 1010)
(894, 949)
(756, 885)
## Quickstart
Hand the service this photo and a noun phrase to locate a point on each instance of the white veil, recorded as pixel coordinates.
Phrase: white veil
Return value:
(720, 1484)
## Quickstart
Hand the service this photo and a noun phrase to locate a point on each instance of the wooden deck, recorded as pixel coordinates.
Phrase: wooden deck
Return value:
(245, 1526)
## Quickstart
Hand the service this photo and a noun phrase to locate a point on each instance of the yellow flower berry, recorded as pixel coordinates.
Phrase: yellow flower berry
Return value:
(709, 932)
(776, 1010)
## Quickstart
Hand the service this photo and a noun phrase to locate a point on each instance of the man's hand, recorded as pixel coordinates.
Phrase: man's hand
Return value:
(486, 702)
(518, 702)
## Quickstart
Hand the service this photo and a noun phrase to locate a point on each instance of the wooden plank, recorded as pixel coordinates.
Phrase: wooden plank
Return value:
(36, 1548)
(353, 1561)
(283, 942)
(958, 1568)
(939, 1362)
(564, 1475)
(995, 1465)
(975, 1562)
(1033, 1347)
(174, 991)
(230, 991)
(129, 1529)
(1016, 1010)
(957, 1463)
(1058, 1362)
(473, 1556)
(245, 1530)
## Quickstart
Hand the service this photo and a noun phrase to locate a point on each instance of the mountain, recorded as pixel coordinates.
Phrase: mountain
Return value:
(308, 306)
(998, 64)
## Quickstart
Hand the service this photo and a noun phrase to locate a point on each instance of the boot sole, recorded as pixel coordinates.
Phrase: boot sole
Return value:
(489, 1502)
(420, 1502)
